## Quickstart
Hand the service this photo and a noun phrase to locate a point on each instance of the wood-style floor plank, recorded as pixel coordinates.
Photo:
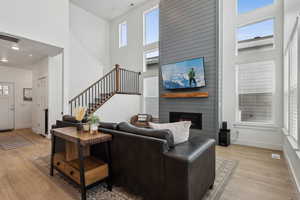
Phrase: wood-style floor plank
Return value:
(257, 177)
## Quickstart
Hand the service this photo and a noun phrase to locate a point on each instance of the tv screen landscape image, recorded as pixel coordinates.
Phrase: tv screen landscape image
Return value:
(186, 74)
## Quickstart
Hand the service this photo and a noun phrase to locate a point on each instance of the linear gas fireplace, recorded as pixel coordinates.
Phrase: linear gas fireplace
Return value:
(195, 118)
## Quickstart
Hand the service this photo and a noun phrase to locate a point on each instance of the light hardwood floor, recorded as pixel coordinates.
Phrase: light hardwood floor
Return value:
(257, 177)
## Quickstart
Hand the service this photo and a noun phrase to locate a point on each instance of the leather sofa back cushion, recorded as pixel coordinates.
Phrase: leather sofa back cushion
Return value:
(69, 118)
(160, 134)
(180, 130)
(108, 125)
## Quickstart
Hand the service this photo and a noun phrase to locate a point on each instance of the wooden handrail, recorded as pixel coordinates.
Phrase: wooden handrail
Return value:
(95, 83)
(117, 81)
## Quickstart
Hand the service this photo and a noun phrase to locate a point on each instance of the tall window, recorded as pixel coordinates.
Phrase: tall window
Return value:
(151, 99)
(151, 26)
(123, 34)
(286, 91)
(293, 89)
(255, 92)
(250, 5)
(256, 36)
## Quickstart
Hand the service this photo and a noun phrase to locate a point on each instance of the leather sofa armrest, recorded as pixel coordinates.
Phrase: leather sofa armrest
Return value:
(191, 167)
(190, 150)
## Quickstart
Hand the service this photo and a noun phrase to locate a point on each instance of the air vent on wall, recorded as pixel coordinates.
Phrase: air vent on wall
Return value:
(9, 38)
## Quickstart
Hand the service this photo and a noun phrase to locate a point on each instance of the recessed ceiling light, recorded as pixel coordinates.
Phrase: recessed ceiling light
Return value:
(15, 47)
(4, 60)
(30, 55)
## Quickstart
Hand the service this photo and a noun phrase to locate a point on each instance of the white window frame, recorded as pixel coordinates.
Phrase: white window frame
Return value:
(144, 25)
(120, 34)
(238, 122)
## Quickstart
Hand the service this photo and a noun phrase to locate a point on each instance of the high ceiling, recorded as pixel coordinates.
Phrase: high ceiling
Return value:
(29, 52)
(107, 9)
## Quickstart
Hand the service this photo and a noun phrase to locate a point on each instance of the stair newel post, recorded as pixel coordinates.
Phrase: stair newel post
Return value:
(117, 78)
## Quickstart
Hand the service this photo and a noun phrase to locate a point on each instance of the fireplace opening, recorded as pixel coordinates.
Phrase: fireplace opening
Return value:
(195, 118)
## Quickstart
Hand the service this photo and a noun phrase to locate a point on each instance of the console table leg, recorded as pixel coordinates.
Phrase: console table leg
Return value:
(108, 157)
(53, 138)
(82, 177)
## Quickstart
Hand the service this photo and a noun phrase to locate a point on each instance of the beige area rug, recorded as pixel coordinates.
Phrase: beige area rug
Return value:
(224, 170)
(13, 141)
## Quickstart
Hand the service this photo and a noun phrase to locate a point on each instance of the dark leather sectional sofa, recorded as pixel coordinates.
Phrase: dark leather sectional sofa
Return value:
(147, 163)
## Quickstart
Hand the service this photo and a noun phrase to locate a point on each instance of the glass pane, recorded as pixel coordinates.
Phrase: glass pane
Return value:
(249, 5)
(256, 36)
(152, 26)
(255, 88)
(123, 34)
(1, 90)
(152, 54)
(151, 87)
(257, 30)
(151, 60)
(293, 88)
(5, 90)
(151, 93)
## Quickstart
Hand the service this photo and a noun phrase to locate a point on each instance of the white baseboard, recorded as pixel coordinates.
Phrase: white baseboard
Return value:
(35, 130)
(292, 171)
(259, 144)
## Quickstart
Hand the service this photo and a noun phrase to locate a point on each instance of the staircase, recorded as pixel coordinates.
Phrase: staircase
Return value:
(117, 81)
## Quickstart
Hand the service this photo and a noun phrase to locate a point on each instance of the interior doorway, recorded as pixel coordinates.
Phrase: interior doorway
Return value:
(7, 106)
(31, 84)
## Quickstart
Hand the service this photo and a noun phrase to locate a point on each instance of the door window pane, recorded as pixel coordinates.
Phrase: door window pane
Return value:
(249, 5)
(151, 26)
(256, 36)
(1, 90)
(5, 90)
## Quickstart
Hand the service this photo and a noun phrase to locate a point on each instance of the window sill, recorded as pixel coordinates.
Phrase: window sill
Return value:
(293, 143)
(285, 132)
(254, 125)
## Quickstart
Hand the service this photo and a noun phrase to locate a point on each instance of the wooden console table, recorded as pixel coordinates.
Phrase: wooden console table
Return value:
(76, 163)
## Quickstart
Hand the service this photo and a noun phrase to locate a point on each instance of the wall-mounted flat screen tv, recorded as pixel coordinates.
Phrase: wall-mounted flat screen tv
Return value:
(186, 74)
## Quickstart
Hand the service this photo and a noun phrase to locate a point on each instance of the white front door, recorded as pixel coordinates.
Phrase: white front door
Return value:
(7, 106)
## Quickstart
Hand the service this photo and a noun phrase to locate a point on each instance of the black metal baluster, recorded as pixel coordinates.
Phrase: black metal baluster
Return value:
(89, 100)
(71, 108)
(98, 85)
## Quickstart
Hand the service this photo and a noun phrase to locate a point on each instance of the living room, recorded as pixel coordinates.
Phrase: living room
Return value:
(161, 100)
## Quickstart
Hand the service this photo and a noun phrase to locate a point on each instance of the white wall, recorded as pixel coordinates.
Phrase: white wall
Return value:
(261, 136)
(119, 108)
(39, 70)
(89, 49)
(21, 79)
(131, 56)
(43, 21)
